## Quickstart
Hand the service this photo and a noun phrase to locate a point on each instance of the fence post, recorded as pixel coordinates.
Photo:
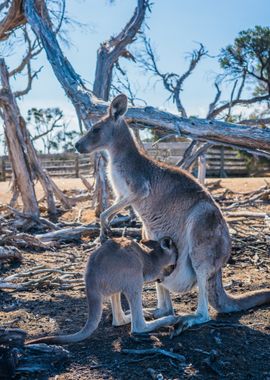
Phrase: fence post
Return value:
(3, 168)
(77, 169)
(222, 173)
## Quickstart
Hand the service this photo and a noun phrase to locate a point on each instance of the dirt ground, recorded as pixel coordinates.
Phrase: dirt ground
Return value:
(238, 347)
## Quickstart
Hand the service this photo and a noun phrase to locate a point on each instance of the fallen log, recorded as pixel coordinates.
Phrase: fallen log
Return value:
(91, 230)
(18, 359)
(69, 234)
(246, 214)
(154, 351)
(10, 254)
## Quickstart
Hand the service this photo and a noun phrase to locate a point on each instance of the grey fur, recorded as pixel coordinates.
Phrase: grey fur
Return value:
(169, 202)
(121, 266)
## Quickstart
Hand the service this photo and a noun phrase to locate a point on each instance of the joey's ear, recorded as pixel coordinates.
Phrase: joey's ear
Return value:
(153, 244)
(118, 106)
(166, 243)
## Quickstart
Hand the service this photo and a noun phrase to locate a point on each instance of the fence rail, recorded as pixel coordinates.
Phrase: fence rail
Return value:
(220, 161)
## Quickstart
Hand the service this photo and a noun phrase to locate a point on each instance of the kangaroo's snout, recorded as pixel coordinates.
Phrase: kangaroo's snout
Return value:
(80, 147)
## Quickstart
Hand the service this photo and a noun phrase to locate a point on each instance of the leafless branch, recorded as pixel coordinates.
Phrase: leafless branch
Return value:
(30, 77)
(4, 5)
(215, 110)
(172, 82)
(193, 154)
(122, 84)
(231, 100)
(32, 51)
(110, 51)
(215, 101)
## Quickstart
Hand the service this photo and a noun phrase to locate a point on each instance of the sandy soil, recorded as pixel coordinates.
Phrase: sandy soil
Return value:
(237, 184)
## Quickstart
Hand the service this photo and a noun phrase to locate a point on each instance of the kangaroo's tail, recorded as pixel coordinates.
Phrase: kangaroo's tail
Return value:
(225, 303)
(94, 316)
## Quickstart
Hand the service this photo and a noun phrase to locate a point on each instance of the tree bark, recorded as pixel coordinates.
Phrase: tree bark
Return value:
(14, 18)
(25, 163)
(17, 147)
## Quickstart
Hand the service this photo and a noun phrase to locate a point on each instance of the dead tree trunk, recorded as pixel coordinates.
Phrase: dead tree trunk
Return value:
(17, 149)
(25, 163)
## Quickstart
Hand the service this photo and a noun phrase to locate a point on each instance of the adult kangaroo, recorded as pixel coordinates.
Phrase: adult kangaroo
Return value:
(170, 202)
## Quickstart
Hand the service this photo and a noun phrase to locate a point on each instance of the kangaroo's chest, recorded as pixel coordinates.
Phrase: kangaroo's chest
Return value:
(119, 181)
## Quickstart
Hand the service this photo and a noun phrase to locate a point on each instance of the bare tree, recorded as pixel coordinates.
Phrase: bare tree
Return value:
(25, 164)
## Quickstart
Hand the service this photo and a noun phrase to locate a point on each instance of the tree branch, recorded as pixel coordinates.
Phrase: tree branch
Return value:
(28, 87)
(215, 101)
(13, 19)
(172, 82)
(32, 51)
(255, 99)
(110, 51)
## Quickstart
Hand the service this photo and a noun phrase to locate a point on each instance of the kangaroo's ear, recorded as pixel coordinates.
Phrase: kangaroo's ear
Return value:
(118, 106)
(166, 243)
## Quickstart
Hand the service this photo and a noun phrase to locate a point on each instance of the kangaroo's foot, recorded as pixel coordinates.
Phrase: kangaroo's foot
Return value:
(154, 325)
(185, 322)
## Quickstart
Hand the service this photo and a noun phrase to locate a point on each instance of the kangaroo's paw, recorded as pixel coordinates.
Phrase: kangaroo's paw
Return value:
(154, 325)
(187, 321)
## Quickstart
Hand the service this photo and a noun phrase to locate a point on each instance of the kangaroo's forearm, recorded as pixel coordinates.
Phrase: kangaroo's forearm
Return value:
(115, 208)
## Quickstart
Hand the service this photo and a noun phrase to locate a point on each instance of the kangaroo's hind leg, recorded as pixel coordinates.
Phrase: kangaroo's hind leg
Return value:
(208, 251)
(202, 314)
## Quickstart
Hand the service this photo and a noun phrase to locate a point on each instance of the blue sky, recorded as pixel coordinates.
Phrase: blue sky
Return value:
(174, 27)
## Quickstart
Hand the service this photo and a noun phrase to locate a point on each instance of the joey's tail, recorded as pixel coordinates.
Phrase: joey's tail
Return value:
(225, 303)
(94, 316)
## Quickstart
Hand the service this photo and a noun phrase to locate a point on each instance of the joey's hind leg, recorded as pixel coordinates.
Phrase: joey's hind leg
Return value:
(119, 316)
(138, 323)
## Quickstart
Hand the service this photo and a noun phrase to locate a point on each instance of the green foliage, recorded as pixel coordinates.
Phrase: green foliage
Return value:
(249, 55)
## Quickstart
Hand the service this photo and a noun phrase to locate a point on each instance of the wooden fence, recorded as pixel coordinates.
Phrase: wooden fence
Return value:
(220, 161)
